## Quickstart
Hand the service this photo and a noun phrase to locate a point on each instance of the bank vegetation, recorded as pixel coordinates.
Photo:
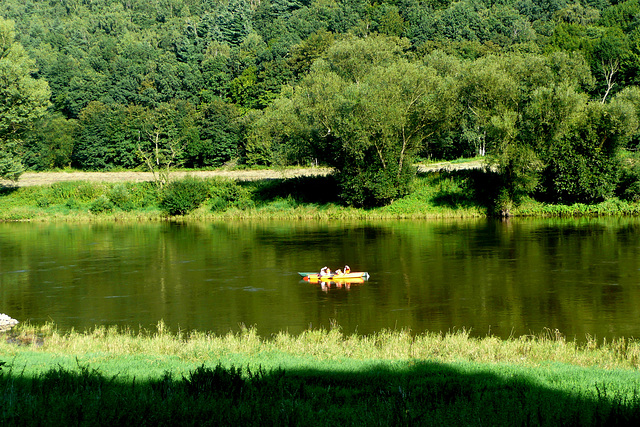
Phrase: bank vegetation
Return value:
(320, 377)
(439, 194)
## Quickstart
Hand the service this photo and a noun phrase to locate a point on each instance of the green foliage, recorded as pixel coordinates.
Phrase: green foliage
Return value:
(520, 170)
(282, 82)
(107, 136)
(243, 90)
(629, 100)
(170, 130)
(375, 186)
(101, 205)
(183, 196)
(278, 136)
(227, 194)
(120, 196)
(216, 382)
(629, 185)
(74, 199)
(218, 136)
(81, 191)
(23, 99)
(11, 166)
(368, 111)
(583, 165)
(308, 50)
(50, 144)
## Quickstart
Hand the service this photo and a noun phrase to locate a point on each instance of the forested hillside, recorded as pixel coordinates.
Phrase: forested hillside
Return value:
(548, 90)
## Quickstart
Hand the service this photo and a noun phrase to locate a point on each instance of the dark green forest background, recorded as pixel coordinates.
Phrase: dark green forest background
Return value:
(548, 91)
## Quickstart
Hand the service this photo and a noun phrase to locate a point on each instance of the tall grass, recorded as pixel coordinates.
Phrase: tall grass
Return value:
(387, 345)
(107, 376)
(612, 206)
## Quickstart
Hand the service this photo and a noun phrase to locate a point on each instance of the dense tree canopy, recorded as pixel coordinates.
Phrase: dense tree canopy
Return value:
(23, 99)
(366, 110)
(546, 90)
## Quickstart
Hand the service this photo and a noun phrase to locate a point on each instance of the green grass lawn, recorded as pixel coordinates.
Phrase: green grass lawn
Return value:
(106, 376)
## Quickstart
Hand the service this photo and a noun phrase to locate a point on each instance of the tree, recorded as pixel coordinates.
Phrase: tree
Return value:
(23, 100)
(631, 97)
(308, 50)
(161, 147)
(487, 91)
(117, 135)
(368, 110)
(611, 55)
(583, 164)
(217, 137)
(278, 136)
(93, 148)
(51, 142)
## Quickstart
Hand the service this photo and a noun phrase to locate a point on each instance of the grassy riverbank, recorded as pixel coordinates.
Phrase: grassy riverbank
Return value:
(444, 194)
(319, 377)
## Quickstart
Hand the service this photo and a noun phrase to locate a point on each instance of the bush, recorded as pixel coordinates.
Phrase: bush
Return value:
(60, 192)
(121, 197)
(101, 205)
(375, 186)
(629, 185)
(227, 194)
(583, 165)
(182, 197)
(43, 202)
(72, 204)
(220, 382)
(143, 194)
(219, 204)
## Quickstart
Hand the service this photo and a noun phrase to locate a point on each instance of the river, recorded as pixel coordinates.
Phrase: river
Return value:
(506, 278)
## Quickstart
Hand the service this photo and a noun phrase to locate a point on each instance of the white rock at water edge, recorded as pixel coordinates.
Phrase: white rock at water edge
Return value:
(6, 322)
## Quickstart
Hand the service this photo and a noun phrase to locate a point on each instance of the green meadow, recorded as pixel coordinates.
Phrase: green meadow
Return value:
(320, 377)
(445, 194)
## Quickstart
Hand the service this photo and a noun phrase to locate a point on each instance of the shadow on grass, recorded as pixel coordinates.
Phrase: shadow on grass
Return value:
(319, 189)
(5, 190)
(464, 188)
(455, 189)
(422, 394)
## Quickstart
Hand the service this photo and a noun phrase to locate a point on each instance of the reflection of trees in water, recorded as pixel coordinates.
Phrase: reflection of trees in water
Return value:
(524, 276)
(518, 276)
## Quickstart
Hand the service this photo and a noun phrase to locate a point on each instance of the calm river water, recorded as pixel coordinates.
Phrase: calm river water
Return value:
(507, 278)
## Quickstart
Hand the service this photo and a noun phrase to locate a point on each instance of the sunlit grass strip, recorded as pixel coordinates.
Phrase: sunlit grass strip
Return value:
(316, 213)
(320, 344)
(614, 206)
(107, 376)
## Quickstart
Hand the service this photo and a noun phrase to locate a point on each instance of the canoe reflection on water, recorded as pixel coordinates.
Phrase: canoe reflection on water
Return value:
(325, 285)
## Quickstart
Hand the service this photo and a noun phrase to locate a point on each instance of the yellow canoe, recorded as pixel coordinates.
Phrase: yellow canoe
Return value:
(362, 275)
(353, 280)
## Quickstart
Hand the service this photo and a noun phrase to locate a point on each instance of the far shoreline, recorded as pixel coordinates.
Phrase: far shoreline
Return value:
(440, 191)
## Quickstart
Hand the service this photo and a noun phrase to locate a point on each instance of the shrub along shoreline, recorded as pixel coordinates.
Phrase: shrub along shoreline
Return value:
(444, 194)
(320, 377)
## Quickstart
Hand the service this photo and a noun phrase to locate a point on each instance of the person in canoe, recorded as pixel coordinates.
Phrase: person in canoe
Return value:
(347, 270)
(325, 271)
